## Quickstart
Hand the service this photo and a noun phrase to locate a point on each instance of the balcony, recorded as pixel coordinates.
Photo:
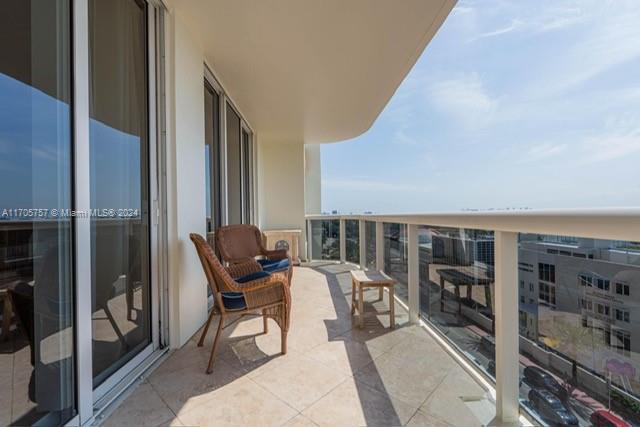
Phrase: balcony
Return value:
(334, 373)
(465, 344)
(127, 125)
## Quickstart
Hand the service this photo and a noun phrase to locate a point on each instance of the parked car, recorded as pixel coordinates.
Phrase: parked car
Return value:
(602, 418)
(537, 378)
(551, 409)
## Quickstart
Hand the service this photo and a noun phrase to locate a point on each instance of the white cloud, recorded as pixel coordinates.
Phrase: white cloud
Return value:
(465, 98)
(370, 184)
(610, 147)
(609, 38)
(543, 151)
(516, 24)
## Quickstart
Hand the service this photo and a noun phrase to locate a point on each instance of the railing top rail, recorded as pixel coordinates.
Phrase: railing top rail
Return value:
(609, 223)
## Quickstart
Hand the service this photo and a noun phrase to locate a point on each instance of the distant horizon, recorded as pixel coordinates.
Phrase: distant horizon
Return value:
(533, 105)
(506, 209)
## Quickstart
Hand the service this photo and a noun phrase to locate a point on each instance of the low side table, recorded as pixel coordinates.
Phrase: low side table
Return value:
(360, 280)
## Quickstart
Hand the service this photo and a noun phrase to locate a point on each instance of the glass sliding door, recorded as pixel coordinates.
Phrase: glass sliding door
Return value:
(212, 157)
(234, 167)
(247, 184)
(119, 170)
(37, 354)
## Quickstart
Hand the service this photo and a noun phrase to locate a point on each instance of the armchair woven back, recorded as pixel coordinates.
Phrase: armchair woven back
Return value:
(238, 242)
(218, 278)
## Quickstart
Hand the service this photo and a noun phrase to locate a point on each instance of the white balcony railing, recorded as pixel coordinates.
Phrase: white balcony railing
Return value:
(607, 224)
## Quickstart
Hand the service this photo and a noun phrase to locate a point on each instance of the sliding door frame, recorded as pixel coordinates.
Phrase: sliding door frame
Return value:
(92, 400)
(224, 99)
(82, 201)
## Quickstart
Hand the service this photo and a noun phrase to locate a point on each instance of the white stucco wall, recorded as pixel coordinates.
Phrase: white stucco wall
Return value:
(281, 185)
(186, 181)
(312, 179)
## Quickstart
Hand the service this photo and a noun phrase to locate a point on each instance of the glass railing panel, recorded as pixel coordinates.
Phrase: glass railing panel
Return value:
(395, 257)
(370, 242)
(580, 328)
(457, 289)
(352, 240)
(325, 239)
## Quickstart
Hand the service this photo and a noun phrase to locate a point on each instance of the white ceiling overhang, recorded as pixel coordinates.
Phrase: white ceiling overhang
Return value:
(312, 71)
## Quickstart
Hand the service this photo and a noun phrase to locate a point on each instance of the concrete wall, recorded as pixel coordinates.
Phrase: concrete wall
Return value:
(281, 183)
(185, 181)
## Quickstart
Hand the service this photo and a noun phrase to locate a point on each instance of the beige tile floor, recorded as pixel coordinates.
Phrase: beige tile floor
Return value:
(333, 375)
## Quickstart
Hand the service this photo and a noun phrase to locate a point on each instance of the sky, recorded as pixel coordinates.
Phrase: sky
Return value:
(513, 104)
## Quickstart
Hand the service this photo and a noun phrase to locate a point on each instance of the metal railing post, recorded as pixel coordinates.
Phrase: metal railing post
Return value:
(343, 241)
(413, 267)
(506, 327)
(363, 244)
(380, 246)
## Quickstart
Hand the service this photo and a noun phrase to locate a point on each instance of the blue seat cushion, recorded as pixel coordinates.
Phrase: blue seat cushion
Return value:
(253, 276)
(273, 266)
(233, 301)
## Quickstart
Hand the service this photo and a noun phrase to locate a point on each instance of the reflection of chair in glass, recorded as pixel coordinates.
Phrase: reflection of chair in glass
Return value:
(108, 276)
(256, 291)
(241, 242)
(7, 314)
(43, 315)
(134, 275)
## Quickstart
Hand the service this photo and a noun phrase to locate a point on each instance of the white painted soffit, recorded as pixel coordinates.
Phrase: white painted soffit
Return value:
(312, 71)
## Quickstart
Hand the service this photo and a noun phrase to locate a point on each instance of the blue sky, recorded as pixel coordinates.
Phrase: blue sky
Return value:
(513, 104)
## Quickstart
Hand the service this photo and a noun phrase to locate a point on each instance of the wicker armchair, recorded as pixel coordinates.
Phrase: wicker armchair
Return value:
(256, 291)
(243, 242)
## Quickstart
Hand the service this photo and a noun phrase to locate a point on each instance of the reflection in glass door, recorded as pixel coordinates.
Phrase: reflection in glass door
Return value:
(212, 158)
(36, 283)
(119, 153)
(234, 167)
(247, 164)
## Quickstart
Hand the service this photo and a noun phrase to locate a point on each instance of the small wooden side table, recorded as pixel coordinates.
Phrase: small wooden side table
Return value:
(361, 279)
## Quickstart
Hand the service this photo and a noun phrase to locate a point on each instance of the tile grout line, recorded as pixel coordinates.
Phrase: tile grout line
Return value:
(278, 398)
(164, 401)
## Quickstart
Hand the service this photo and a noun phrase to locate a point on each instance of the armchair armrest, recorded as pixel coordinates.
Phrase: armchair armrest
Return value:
(244, 268)
(269, 293)
(276, 254)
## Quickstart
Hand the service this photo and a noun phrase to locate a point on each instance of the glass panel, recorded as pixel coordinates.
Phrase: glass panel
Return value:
(395, 257)
(352, 240)
(246, 176)
(325, 240)
(212, 157)
(36, 286)
(234, 172)
(457, 291)
(578, 306)
(119, 150)
(370, 242)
